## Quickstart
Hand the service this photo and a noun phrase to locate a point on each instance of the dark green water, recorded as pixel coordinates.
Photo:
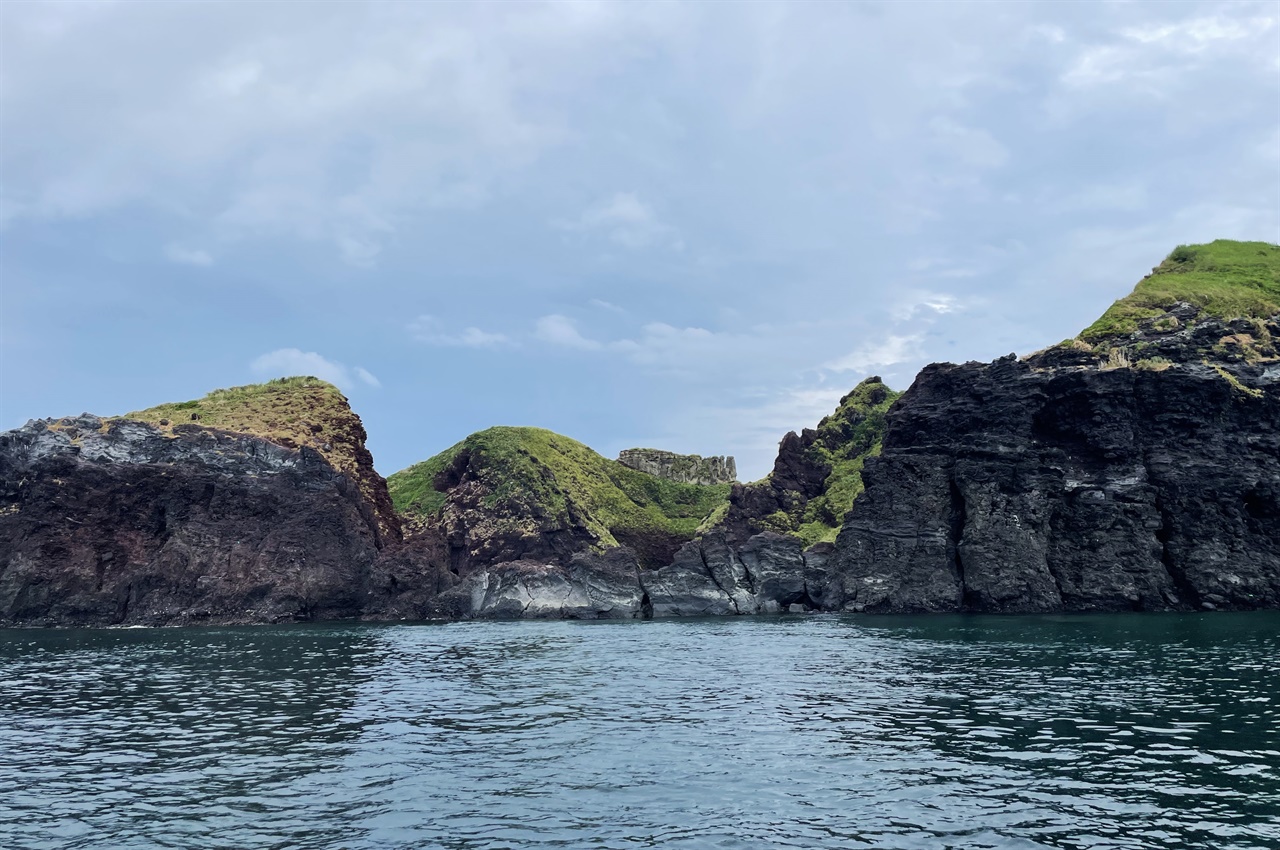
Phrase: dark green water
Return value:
(1064, 732)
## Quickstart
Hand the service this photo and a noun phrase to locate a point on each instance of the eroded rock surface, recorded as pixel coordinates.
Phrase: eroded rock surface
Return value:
(1078, 480)
(685, 469)
(112, 521)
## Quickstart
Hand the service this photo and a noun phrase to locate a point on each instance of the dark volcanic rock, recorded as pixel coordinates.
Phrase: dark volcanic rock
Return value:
(816, 474)
(112, 521)
(1060, 483)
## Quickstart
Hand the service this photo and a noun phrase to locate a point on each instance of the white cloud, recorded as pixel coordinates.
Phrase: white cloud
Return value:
(1153, 54)
(915, 303)
(893, 349)
(664, 347)
(972, 146)
(188, 256)
(431, 330)
(627, 221)
(363, 117)
(287, 362)
(367, 376)
(560, 330)
(606, 305)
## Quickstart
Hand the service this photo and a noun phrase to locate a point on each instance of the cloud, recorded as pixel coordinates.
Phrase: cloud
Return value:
(627, 221)
(359, 121)
(1154, 53)
(367, 376)
(892, 349)
(560, 330)
(917, 303)
(664, 347)
(286, 362)
(606, 305)
(972, 146)
(431, 330)
(188, 256)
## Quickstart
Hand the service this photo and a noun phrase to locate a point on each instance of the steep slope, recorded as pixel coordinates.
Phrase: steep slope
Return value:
(750, 555)
(1136, 467)
(290, 412)
(817, 475)
(122, 520)
(507, 494)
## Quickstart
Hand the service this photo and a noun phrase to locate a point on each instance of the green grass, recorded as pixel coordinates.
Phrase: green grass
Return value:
(293, 412)
(238, 404)
(532, 472)
(1225, 279)
(846, 439)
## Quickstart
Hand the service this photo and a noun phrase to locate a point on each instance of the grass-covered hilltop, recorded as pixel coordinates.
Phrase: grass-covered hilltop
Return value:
(527, 493)
(1205, 305)
(291, 412)
(1223, 279)
(1133, 467)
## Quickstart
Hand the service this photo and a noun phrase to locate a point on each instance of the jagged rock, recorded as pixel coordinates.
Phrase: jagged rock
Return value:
(685, 469)
(1035, 486)
(112, 521)
(816, 475)
(591, 587)
(765, 575)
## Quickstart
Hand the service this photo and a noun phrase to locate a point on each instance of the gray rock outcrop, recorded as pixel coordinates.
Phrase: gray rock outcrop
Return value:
(686, 469)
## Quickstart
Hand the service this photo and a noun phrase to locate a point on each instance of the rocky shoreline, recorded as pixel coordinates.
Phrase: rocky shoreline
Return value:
(1137, 470)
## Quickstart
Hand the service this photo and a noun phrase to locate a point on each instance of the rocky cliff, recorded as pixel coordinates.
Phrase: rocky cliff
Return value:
(122, 521)
(1134, 468)
(684, 469)
(816, 476)
(507, 495)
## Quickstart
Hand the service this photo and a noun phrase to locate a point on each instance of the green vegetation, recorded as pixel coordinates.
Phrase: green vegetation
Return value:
(842, 444)
(1226, 279)
(538, 473)
(845, 440)
(293, 412)
(1154, 364)
(1235, 382)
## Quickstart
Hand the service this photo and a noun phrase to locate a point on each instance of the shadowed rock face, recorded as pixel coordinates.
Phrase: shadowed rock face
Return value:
(105, 522)
(1134, 468)
(1060, 483)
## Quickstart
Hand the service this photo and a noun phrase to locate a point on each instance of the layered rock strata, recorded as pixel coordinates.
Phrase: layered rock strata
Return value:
(114, 521)
(685, 469)
(1080, 478)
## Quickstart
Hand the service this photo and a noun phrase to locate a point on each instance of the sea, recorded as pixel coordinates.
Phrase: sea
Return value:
(1089, 731)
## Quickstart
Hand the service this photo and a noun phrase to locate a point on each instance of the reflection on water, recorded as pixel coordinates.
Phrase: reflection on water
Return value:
(967, 732)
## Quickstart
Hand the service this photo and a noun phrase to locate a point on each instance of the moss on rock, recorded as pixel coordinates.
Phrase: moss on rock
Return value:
(532, 481)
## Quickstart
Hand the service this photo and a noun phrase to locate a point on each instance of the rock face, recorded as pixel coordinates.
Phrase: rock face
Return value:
(685, 469)
(526, 494)
(114, 521)
(817, 474)
(1134, 475)
(1136, 467)
(590, 587)
(768, 574)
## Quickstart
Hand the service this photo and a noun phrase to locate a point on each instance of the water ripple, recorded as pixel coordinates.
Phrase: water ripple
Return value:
(961, 732)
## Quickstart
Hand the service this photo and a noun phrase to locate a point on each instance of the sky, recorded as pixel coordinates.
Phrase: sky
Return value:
(690, 226)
